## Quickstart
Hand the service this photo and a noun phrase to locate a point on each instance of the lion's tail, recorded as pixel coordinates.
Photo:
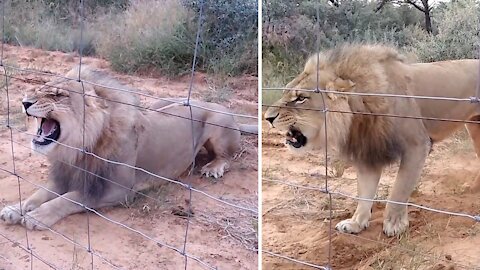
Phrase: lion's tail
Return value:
(248, 129)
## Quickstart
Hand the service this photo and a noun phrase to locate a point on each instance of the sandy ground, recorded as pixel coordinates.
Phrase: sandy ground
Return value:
(220, 235)
(296, 222)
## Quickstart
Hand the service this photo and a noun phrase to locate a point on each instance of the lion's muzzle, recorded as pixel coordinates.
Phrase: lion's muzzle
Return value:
(295, 138)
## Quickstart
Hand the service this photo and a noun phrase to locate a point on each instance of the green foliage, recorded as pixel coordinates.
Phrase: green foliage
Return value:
(149, 35)
(292, 31)
(142, 34)
(229, 36)
(457, 38)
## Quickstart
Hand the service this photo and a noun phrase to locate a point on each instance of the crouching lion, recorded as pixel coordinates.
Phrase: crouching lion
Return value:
(157, 140)
(372, 142)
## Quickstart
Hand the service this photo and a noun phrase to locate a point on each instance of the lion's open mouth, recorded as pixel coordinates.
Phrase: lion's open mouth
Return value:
(295, 138)
(48, 131)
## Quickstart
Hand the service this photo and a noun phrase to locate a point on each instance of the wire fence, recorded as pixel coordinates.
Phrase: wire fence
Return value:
(89, 246)
(336, 192)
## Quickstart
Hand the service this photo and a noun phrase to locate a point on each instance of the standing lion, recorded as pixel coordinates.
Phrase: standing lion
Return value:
(372, 142)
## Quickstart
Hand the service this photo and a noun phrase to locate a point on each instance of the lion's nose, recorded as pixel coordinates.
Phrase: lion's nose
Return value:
(271, 118)
(27, 105)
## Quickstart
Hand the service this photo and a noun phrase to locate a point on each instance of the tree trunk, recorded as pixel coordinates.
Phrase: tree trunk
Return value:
(428, 20)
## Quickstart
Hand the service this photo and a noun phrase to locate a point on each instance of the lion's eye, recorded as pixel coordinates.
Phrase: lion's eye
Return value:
(300, 99)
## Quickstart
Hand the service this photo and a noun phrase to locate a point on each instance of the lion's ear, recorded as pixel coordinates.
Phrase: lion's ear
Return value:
(339, 85)
(343, 85)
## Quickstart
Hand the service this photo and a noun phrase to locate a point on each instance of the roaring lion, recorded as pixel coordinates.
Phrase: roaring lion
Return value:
(158, 140)
(372, 142)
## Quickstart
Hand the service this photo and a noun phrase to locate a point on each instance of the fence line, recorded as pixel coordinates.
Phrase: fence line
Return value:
(172, 99)
(254, 211)
(347, 195)
(181, 101)
(472, 99)
(326, 190)
(135, 105)
(382, 114)
(162, 244)
(14, 167)
(30, 251)
(295, 260)
(66, 238)
(85, 191)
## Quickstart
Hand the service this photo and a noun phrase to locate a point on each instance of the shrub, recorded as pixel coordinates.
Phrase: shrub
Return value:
(149, 34)
(229, 36)
(136, 35)
(458, 28)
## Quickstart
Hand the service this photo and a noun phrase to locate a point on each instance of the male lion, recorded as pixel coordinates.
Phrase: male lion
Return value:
(372, 142)
(115, 129)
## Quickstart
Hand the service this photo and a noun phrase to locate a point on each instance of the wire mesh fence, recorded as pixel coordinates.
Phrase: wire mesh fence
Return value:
(98, 259)
(288, 248)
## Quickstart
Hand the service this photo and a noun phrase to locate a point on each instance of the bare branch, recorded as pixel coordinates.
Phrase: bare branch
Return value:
(413, 3)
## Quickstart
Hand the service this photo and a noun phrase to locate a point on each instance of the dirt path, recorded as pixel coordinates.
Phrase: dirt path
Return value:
(218, 234)
(296, 221)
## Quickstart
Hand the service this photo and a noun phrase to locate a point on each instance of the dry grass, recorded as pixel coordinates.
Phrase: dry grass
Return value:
(219, 90)
(147, 34)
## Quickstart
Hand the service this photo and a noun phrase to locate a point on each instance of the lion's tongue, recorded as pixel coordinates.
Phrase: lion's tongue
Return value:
(48, 126)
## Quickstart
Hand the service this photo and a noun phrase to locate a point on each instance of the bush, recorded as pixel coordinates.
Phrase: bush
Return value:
(149, 34)
(41, 31)
(457, 38)
(229, 36)
(292, 32)
(136, 35)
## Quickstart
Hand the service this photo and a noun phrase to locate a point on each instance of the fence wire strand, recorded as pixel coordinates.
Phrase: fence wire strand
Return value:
(20, 201)
(66, 238)
(182, 101)
(30, 251)
(138, 93)
(80, 52)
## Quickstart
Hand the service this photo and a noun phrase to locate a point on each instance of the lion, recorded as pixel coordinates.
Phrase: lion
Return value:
(372, 142)
(157, 140)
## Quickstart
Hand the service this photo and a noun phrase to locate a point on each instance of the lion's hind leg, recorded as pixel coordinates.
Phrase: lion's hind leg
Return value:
(221, 145)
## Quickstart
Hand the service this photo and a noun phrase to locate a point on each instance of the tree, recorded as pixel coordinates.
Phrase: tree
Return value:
(421, 5)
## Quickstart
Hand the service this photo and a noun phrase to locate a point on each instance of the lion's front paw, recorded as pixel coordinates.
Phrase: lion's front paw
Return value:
(39, 220)
(215, 168)
(395, 223)
(11, 214)
(351, 226)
